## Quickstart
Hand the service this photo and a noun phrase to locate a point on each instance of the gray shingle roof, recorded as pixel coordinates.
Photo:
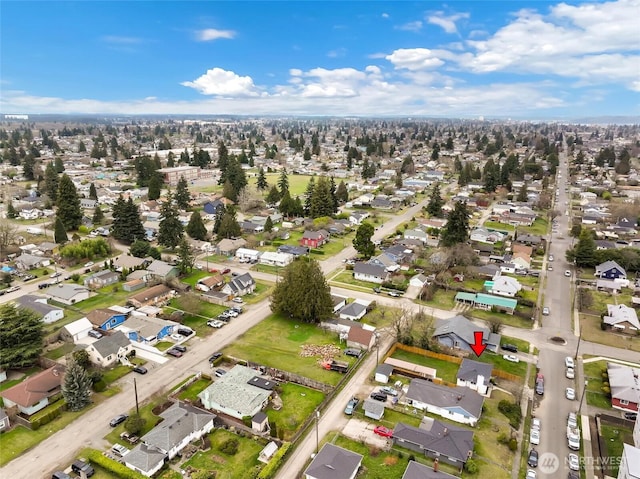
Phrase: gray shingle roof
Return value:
(144, 458)
(30, 302)
(446, 397)
(416, 470)
(435, 436)
(462, 327)
(370, 269)
(470, 369)
(111, 344)
(333, 462)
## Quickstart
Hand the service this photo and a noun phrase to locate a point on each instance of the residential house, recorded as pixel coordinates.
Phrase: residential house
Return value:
(360, 338)
(483, 235)
(629, 462)
(228, 246)
(109, 349)
(357, 217)
(240, 285)
(68, 293)
(370, 272)
(38, 304)
(353, 311)
(76, 330)
(107, 318)
(622, 318)
(373, 409)
(234, 395)
(33, 394)
(333, 462)
(162, 270)
(210, 208)
(210, 282)
(182, 423)
(415, 470)
(458, 404)
(101, 279)
(386, 261)
(296, 251)
(314, 239)
(250, 227)
(503, 286)
(146, 329)
(624, 382)
(416, 234)
(475, 376)
(248, 255)
(382, 202)
(27, 261)
(458, 333)
(158, 294)
(530, 240)
(128, 262)
(419, 280)
(610, 270)
(88, 203)
(450, 444)
(5, 424)
(339, 302)
(274, 258)
(521, 260)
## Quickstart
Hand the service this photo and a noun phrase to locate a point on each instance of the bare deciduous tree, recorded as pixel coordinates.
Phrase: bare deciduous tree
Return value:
(8, 235)
(249, 198)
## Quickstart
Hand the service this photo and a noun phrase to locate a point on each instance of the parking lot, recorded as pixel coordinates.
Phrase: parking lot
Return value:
(363, 431)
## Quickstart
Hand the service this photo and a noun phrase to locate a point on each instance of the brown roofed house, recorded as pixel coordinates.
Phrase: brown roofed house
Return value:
(32, 394)
(360, 338)
(151, 296)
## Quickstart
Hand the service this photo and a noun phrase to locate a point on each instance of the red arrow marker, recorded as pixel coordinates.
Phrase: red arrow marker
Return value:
(477, 346)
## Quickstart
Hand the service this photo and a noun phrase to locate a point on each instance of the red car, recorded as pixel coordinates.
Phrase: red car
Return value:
(226, 271)
(213, 271)
(383, 431)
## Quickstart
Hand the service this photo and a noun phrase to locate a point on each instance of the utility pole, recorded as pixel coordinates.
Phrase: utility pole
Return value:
(135, 391)
(317, 433)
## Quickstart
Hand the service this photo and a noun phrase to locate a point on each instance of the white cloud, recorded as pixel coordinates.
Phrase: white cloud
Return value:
(411, 26)
(210, 34)
(337, 53)
(219, 82)
(414, 59)
(385, 15)
(120, 40)
(447, 23)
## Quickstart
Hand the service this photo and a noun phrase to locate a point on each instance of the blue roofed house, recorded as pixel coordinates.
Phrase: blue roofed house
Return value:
(182, 423)
(457, 333)
(210, 208)
(106, 318)
(610, 270)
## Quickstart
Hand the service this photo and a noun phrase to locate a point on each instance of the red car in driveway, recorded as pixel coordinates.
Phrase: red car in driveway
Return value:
(383, 431)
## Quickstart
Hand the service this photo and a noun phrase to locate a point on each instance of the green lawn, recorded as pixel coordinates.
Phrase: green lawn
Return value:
(299, 403)
(195, 276)
(191, 393)
(508, 319)
(262, 291)
(444, 369)
(613, 438)
(346, 278)
(523, 346)
(276, 342)
(442, 299)
(242, 465)
(539, 227)
(591, 331)
(61, 351)
(494, 225)
(115, 373)
(103, 298)
(146, 411)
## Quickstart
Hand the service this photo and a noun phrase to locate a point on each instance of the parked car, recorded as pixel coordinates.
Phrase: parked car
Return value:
(532, 460)
(573, 462)
(215, 356)
(55, 275)
(238, 300)
(631, 415)
(568, 362)
(177, 337)
(550, 267)
(95, 334)
(81, 466)
(89, 264)
(534, 437)
(383, 431)
(572, 420)
(395, 294)
(119, 419)
(12, 289)
(550, 257)
(119, 449)
(60, 475)
(220, 373)
(226, 270)
(174, 352)
(570, 373)
(353, 352)
(216, 323)
(181, 348)
(536, 423)
(510, 357)
(531, 474)
(567, 273)
(185, 332)
(545, 311)
(130, 438)
(389, 391)
(140, 370)
(570, 394)
(510, 347)
(351, 406)
(378, 396)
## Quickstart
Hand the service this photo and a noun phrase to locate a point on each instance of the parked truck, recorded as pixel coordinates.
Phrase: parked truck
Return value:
(334, 365)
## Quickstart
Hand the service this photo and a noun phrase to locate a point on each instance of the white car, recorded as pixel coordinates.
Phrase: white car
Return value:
(573, 441)
(550, 257)
(177, 337)
(119, 449)
(215, 323)
(572, 420)
(531, 474)
(570, 394)
(511, 357)
(571, 373)
(534, 437)
(89, 264)
(545, 311)
(573, 462)
(238, 300)
(567, 273)
(536, 423)
(568, 362)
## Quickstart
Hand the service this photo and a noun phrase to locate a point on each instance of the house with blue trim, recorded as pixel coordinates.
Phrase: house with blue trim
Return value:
(610, 270)
(146, 329)
(106, 319)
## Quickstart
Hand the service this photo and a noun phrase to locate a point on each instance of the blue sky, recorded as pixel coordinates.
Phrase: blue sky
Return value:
(517, 59)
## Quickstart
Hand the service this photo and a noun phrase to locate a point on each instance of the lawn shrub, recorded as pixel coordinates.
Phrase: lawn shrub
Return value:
(512, 412)
(119, 470)
(230, 446)
(99, 386)
(49, 414)
(471, 466)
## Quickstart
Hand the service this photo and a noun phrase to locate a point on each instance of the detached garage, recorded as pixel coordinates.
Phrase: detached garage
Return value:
(73, 332)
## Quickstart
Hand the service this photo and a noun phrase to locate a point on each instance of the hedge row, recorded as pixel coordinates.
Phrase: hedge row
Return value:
(274, 464)
(48, 415)
(119, 470)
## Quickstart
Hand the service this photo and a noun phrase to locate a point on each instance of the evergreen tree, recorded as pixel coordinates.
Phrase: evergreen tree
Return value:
(262, 180)
(21, 332)
(362, 241)
(140, 249)
(274, 196)
(220, 211)
(342, 193)
(93, 194)
(76, 387)
(584, 253)
(28, 166)
(308, 195)
(223, 158)
(398, 179)
(186, 258)
(268, 225)
(229, 192)
(182, 195)
(98, 215)
(522, 194)
(69, 210)
(51, 182)
(434, 208)
(334, 195)
(155, 186)
(303, 293)
(127, 225)
(283, 182)
(457, 228)
(196, 228)
(235, 174)
(229, 226)
(59, 233)
(11, 211)
(321, 201)
(170, 229)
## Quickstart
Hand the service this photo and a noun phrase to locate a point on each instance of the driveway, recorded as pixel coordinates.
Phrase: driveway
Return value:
(359, 430)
